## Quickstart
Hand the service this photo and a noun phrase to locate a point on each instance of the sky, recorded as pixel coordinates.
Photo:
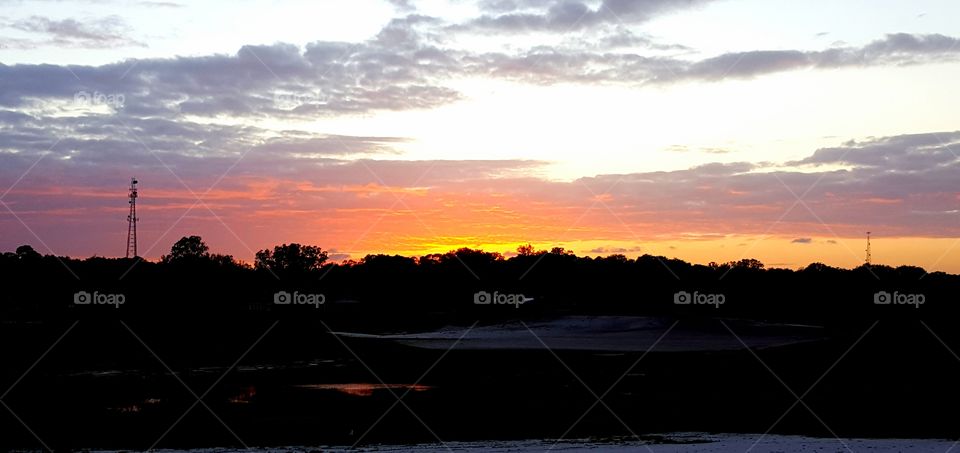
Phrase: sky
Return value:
(707, 130)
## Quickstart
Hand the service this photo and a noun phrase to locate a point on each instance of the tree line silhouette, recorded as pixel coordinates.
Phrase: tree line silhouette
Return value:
(197, 308)
(191, 279)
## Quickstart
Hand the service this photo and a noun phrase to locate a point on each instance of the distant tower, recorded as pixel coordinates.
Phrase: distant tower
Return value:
(869, 258)
(132, 221)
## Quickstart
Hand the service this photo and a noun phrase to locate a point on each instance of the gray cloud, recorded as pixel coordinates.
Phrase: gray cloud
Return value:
(906, 183)
(615, 250)
(555, 65)
(893, 49)
(403, 5)
(889, 181)
(568, 15)
(105, 32)
(400, 69)
(259, 81)
(912, 152)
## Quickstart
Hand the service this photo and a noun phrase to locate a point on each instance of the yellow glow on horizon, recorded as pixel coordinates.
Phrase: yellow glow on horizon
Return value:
(932, 254)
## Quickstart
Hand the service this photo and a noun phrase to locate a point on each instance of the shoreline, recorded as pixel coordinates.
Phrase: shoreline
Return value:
(662, 443)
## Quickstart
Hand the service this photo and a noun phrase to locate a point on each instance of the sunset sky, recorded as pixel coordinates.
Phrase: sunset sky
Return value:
(707, 130)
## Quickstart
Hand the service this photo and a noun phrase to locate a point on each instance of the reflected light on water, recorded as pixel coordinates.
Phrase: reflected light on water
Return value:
(364, 389)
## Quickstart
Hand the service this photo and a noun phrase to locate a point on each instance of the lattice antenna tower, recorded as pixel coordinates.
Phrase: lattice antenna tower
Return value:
(132, 221)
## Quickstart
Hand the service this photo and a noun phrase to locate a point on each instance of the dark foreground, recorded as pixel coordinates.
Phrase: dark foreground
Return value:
(142, 384)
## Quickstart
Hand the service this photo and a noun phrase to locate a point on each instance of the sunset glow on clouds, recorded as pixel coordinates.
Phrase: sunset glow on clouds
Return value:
(604, 127)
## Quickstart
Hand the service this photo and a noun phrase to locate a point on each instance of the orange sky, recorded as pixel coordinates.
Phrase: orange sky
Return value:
(706, 130)
(360, 219)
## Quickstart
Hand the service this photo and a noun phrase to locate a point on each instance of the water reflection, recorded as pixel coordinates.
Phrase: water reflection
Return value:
(365, 389)
(245, 395)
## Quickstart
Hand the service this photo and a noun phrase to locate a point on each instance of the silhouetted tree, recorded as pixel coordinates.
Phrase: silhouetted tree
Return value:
(617, 258)
(746, 263)
(226, 261)
(472, 254)
(818, 267)
(291, 257)
(526, 250)
(188, 248)
(26, 252)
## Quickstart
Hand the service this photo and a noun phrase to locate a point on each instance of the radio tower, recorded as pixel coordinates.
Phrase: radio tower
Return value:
(869, 259)
(132, 221)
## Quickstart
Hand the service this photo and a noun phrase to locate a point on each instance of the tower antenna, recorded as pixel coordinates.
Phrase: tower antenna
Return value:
(869, 258)
(132, 221)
